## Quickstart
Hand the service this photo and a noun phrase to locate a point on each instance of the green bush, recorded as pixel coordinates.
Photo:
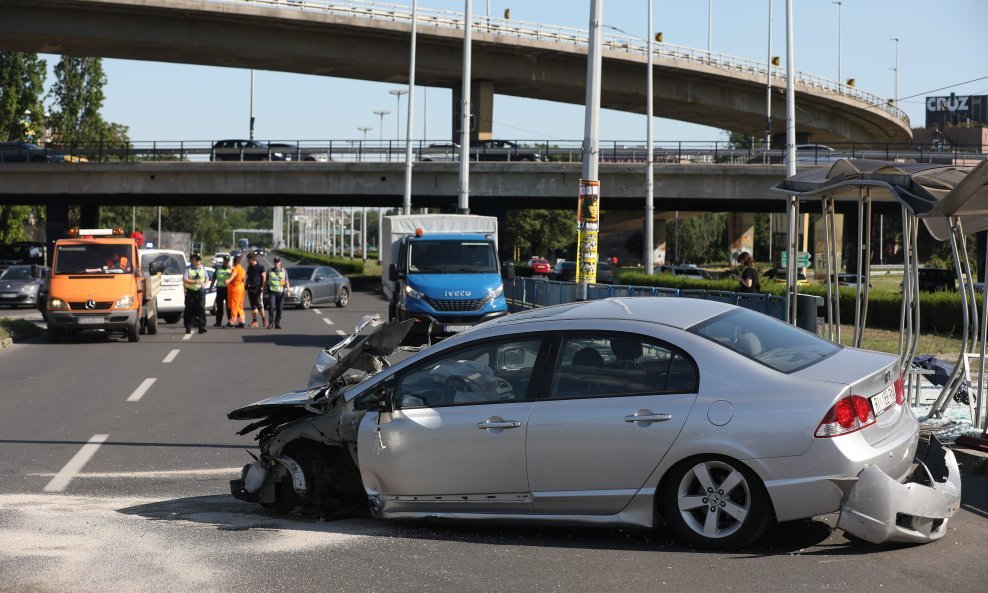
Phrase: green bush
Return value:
(344, 266)
(939, 312)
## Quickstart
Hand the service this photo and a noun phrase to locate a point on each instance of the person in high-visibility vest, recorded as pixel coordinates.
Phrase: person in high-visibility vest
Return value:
(277, 285)
(220, 277)
(194, 280)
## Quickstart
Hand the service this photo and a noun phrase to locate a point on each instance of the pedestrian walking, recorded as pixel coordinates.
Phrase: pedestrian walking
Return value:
(220, 278)
(277, 284)
(255, 286)
(194, 280)
(235, 294)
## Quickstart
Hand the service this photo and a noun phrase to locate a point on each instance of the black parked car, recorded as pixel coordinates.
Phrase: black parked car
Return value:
(250, 150)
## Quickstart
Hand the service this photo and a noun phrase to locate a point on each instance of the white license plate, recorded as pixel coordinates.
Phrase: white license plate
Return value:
(456, 328)
(8, 296)
(883, 401)
(91, 320)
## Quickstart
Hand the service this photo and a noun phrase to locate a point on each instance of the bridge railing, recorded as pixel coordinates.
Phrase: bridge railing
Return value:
(614, 41)
(567, 151)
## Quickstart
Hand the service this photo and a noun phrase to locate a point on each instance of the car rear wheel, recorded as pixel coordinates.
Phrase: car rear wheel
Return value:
(715, 502)
(344, 299)
(152, 322)
(305, 301)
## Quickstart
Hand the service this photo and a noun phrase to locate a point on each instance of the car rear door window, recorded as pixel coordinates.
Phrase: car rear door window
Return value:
(620, 365)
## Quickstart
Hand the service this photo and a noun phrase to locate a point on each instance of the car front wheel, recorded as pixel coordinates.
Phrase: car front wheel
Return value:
(305, 301)
(715, 502)
(344, 299)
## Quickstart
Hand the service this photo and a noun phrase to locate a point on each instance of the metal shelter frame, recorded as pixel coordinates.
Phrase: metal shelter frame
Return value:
(951, 201)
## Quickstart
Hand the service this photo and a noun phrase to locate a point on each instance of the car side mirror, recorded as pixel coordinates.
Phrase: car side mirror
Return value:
(508, 271)
(392, 272)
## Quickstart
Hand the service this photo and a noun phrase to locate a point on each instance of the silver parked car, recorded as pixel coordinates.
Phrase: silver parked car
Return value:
(20, 285)
(311, 285)
(622, 412)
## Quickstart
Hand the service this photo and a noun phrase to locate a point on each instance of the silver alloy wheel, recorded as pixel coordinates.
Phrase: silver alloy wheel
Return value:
(714, 499)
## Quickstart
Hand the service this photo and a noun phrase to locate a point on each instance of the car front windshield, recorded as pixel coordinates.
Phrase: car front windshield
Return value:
(451, 257)
(168, 264)
(96, 258)
(769, 341)
(16, 273)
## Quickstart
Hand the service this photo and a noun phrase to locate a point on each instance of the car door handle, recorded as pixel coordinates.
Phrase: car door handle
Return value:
(498, 424)
(648, 418)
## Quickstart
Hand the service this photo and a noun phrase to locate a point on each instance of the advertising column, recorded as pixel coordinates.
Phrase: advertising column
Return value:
(587, 226)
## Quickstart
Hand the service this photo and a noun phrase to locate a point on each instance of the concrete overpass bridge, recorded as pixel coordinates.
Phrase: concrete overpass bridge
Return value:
(369, 41)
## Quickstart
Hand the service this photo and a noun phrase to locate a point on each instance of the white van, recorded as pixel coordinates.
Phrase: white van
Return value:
(171, 297)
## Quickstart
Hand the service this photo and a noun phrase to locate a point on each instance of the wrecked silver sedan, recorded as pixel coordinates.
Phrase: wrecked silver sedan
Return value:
(622, 412)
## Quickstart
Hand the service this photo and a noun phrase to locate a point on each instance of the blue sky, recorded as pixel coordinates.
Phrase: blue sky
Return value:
(942, 43)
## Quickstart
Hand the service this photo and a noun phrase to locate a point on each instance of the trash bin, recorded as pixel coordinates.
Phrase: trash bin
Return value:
(807, 311)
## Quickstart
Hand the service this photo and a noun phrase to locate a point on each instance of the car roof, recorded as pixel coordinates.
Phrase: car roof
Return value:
(675, 312)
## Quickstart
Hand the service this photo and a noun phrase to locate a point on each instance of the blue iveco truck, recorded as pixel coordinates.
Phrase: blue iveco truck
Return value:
(442, 271)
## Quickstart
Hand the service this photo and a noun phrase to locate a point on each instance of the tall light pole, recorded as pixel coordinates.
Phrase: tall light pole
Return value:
(840, 38)
(398, 93)
(792, 202)
(649, 173)
(463, 195)
(364, 129)
(407, 198)
(588, 201)
(710, 23)
(252, 104)
(381, 113)
(768, 87)
(896, 96)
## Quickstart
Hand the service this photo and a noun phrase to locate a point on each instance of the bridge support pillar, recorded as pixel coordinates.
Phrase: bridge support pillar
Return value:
(89, 216)
(56, 224)
(481, 111)
(277, 227)
(740, 233)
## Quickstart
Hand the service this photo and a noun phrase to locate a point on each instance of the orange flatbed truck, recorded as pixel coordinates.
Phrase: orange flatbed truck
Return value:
(96, 282)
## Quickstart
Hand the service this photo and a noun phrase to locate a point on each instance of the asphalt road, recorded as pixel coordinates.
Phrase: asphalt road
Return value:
(110, 481)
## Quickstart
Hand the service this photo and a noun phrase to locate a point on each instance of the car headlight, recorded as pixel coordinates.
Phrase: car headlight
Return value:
(495, 292)
(412, 293)
(54, 304)
(124, 302)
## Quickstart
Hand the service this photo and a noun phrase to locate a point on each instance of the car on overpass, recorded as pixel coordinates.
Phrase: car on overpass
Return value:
(715, 420)
(249, 150)
(28, 152)
(483, 150)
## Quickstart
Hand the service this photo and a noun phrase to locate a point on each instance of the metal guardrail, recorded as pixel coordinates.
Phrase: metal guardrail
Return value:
(566, 151)
(448, 19)
(531, 293)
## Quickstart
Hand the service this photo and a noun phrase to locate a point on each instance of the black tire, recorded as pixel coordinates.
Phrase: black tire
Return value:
(305, 301)
(142, 326)
(152, 321)
(171, 317)
(737, 525)
(55, 336)
(344, 298)
(133, 333)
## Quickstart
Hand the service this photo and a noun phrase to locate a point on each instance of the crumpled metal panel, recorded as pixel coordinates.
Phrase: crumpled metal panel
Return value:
(879, 509)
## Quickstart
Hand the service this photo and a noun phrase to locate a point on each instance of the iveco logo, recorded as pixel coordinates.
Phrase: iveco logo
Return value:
(458, 293)
(90, 304)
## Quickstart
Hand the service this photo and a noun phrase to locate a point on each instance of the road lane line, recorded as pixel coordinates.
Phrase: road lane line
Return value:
(317, 311)
(65, 475)
(141, 390)
(171, 356)
(328, 321)
(187, 336)
(340, 332)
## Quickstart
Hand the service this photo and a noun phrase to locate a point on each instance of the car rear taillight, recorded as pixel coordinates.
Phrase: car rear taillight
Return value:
(900, 391)
(848, 415)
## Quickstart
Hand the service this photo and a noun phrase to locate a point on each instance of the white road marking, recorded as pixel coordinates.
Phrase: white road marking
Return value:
(65, 475)
(187, 336)
(171, 356)
(317, 311)
(141, 390)
(220, 471)
(340, 332)
(328, 321)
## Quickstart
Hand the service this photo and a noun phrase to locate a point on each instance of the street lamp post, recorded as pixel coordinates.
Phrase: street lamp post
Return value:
(407, 194)
(649, 173)
(896, 96)
(398, 93)
(768, 87)
(364, 129)
(252, 104)
(463, 195)
(840, 38)
(710, 22)
(381, 113)
(792, 202)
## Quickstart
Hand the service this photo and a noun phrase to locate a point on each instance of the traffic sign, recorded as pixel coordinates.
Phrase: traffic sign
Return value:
(802, 259)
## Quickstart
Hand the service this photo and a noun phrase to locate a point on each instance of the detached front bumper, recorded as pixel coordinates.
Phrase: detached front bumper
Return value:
(878, 509)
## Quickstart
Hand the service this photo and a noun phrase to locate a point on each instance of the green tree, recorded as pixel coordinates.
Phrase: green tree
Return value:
(701, 238)
(539, 232)
(12, 219)
(77, 100)
(22, 78)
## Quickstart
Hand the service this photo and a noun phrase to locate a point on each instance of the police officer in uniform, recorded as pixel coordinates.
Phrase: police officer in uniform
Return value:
(277, 284)
(194, 280)
(219, 282)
